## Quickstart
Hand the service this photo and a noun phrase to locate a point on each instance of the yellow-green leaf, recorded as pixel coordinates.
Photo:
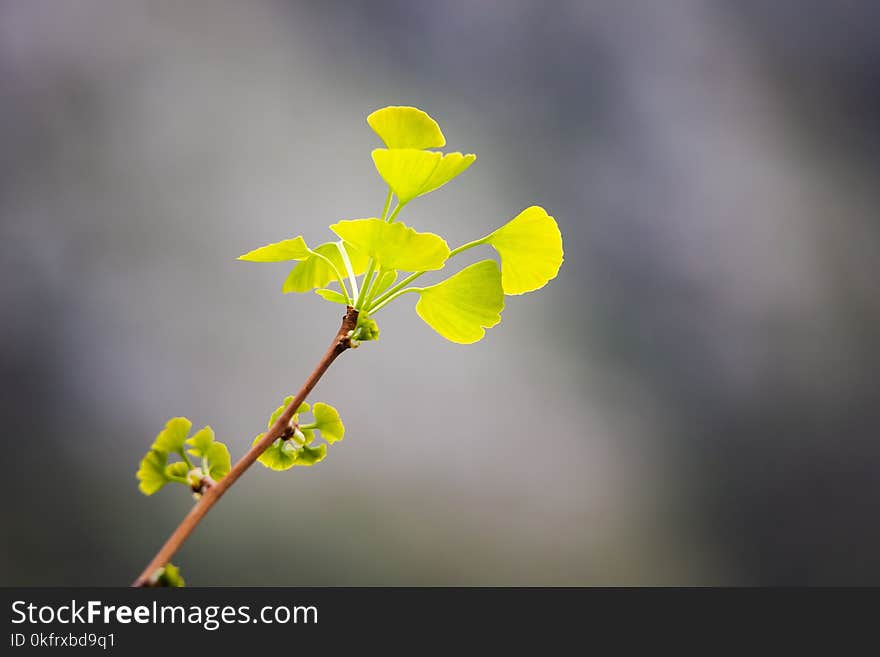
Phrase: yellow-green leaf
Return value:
(171, 438)
(406, 127)
(314, 271)
(394, 246)
(411, 173)
(151, 473)
(200, 441)
(292, 249)
(311, 455)
(331, 295)
(177, 469)
(327, 421)
(530, 246)
(462, 306)
(219, 463)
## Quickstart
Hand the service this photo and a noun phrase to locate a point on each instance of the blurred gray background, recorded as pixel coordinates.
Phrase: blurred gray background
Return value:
(694, 400)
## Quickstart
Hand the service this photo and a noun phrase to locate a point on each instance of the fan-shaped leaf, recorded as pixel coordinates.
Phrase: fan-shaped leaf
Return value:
(451, 166)
(462, 306)
(200, 441)
(311, 455)
(331, 295)
(219, 462)
(292, 249)
(530, 246)
(406, 127)
(151, 473)
(394, 246)
(411, 173)
(177, 469)
(171, 438)
(327, 421)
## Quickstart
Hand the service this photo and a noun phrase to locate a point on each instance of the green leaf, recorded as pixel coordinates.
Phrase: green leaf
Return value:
(167, 576)
(411, 173)
(292, 249)
(280, 455)
(462, 306)
(200, 441)
(406, 127)
(151, 472)
(303, 408)
(314, 271)
(331, 295)
(171, 438)
(327, 421)
(177, 469)
(311, 455)
(394, 246)
(219, 463)
(530, 246)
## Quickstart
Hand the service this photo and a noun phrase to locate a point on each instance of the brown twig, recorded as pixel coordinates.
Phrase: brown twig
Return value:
(213, 493)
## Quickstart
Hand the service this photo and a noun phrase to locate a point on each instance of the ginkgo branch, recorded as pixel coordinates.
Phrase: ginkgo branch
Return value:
(459, 308)
(215, 491)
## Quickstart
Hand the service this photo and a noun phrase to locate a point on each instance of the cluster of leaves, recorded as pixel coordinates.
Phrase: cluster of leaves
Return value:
(155, 471)
(459, 308)
(296, 446)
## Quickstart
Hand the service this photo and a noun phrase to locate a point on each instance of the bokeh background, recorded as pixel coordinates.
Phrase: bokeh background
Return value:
(694, 400)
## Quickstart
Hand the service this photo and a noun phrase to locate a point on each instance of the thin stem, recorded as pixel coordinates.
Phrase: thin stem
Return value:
(391, 298)
(363, 297)
(368, 278)
(347, 262)
(185, 458)
(465, 247)
(374, 287)
(385, 297)
(396, 212)
(340, 344)
(387, 204)
(406, 281)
